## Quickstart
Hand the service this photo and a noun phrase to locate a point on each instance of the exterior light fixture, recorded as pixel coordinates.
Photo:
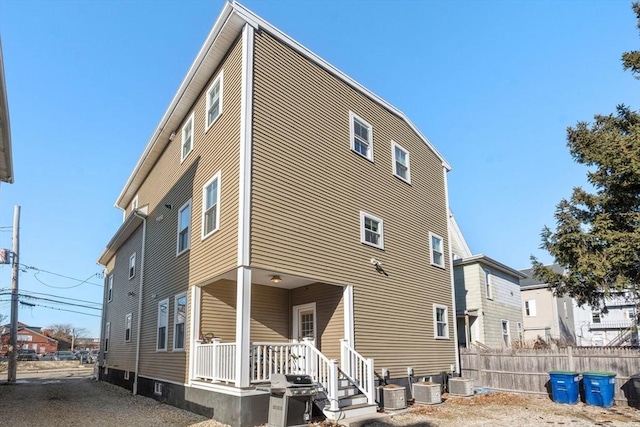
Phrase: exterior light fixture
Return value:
(276, 279)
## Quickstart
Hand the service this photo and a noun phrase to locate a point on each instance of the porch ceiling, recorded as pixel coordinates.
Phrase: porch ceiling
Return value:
(263, 277)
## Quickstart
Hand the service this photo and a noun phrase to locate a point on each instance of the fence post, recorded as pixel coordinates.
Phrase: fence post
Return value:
(214, 359)
(572, 366)
(333, 385)
(344, 357)
(370, 382)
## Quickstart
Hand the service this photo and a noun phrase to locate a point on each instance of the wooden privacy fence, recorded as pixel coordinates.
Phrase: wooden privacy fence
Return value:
(527, 370)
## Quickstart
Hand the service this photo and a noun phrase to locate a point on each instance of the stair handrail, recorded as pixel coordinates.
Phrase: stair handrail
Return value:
(358, 370)
(324, 371)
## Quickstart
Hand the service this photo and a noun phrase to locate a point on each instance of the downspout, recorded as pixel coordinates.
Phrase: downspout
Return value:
(451, 277)
(142, 251)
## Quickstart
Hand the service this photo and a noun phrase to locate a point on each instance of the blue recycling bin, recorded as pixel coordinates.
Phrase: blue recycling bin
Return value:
(564, 386)
(599, 388)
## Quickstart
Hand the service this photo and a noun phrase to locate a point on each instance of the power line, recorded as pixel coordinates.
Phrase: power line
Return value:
(57, 296)
(40, 270)
(59, 302)
(62, 309)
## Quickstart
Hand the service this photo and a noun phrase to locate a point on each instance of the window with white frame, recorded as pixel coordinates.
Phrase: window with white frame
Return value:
(187, 138)
(505, 333)
(441, 325)
(596, 317)
(211, 206)
(371, 230)
(179, 321)
(520, 332)
(127, 327)
(214, 100)
(361, 136)
(110, 288)
(487, 284)
(400, 162)
(530, 308)
(163, 321)
(107, 336)
(132, 266)
(437, 250)
(184, 227)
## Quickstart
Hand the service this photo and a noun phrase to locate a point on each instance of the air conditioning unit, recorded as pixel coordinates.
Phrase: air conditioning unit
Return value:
(427, 393)
(393, 397)
(461, 386)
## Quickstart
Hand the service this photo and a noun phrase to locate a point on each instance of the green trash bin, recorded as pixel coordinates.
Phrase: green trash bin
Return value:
(599, 388)
(564, 386)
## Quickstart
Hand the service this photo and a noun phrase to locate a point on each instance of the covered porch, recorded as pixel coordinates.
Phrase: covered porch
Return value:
(245, 330)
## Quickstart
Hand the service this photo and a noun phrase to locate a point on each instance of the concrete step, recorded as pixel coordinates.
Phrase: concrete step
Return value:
(343, 401)
(358, 410)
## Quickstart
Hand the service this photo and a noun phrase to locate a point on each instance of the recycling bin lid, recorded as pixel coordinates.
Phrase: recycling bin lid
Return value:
(599, 374)
(635, 377)
(563, 373)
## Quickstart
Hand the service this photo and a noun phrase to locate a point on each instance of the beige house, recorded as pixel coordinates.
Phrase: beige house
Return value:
(282, 218)
(487, 296)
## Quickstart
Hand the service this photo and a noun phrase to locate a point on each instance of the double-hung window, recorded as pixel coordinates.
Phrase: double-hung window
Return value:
(371, 230)
(179, 320)
(110, 288)
(163, 321)
(361, 136)
(400, 162)
(187, 138)
(530, 308)
(214, 100)
(441, 326)
(211, 206)
(506, 337)
(127, 327)
(487, 284)
(132, 266)
(437, 250)
(107, 335)
(184, 227)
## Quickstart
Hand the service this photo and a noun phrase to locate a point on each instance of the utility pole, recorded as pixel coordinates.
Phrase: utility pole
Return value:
(13, 339)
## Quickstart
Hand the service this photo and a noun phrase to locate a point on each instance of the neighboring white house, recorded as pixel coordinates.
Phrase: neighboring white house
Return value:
(594, 328)
(488, 309)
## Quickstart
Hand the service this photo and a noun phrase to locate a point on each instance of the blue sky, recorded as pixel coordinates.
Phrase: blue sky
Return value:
(492, 84)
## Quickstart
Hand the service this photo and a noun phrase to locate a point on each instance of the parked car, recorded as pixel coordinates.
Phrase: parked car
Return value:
(93, 356)
(82, 355)
(48, 356)
(63, 355)
(27, 354)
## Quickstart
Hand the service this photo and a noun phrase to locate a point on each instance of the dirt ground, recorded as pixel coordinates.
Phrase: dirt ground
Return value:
(501, 409)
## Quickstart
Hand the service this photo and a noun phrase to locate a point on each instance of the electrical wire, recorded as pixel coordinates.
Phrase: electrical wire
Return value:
(59, 302)
(40, 270)
(62, 309)
(56, 296)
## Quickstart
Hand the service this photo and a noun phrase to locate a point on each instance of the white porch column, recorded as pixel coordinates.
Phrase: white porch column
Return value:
(347, 294)
(194, 328)
(243, 320)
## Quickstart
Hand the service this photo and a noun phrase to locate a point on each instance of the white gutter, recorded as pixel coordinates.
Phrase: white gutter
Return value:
(453, 286)
(142, 251)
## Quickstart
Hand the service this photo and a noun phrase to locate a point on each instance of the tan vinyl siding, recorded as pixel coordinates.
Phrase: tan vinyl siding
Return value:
(308, 188)
(270, 314)
(174, 182)
(329, 315)
(218, 310)
(122, 355)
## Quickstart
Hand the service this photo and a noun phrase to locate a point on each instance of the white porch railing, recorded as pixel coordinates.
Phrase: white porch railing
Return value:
(215, 361)
(358, 370)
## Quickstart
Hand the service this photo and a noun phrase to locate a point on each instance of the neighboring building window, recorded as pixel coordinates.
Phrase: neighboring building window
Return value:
(163, 320)
(211, 206)
(184, 227)
(179, 321)
(361, 136)
(596, 317)
(371, 230)
(132, 266)
(487, 284)
(440, 321)
(110, 288)
(520, 332)
(505, 333)
(107, 335)
(400, 162)
(127, 328)
(437, 250)
(530, 308)
(214, 100)
(187, 138)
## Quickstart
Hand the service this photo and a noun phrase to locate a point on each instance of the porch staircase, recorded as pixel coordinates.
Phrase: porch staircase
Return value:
(351, 402)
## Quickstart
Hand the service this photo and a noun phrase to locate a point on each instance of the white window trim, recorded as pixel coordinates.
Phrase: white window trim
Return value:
(110, 288)
(395, 145)
(132, 264)
(188, 246)
(364, 215)
(175, 320)
(502, 321)
(488, 284)
(435, 322)
(530, 305)
(107, 337)
(220, 79)
(157, 388)
(297, 310)
(353, 116)
(126, 375)
(431, 251)
(128, 319)
(190, 121)
(166, 329)
(217, 176)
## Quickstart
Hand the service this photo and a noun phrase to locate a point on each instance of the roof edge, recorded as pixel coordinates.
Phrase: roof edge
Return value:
(489, 261)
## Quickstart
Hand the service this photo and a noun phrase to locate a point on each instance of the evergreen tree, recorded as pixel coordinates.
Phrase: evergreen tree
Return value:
(597, 238)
